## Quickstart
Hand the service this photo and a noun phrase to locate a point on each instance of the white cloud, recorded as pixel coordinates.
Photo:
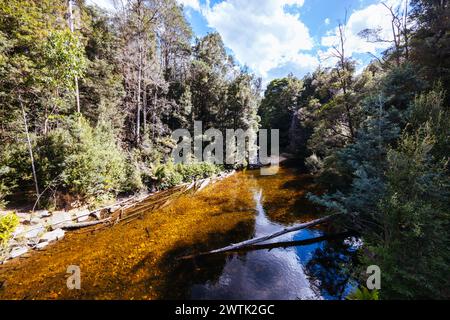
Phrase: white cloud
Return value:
(262, 35)
(375, 16)
(192, 4)
(327, 21)
(105, 4)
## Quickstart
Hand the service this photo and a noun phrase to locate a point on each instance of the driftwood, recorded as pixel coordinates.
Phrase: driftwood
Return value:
(113, 205)
(73, 226)
(133, 208)
(284, 244)
(254, 241)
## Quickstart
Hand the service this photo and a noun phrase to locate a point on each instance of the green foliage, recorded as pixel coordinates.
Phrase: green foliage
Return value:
(169, 175)
(430, 41)
(414, 255)
(363, 294)
(102, 83)
(401, 85)
(8, 176)
(197, 170)
(398, 196)
(83, 161)
(64, 59)
(8, 223)
(431, 108)
(278, 106)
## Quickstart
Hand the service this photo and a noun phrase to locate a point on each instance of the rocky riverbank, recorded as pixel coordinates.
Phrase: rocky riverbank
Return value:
(38, 229)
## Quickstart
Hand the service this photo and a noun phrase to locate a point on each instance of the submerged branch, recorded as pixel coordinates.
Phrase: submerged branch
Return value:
(284, 244)
(253, 241)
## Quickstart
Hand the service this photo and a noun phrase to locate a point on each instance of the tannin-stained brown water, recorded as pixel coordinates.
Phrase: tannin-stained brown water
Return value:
(139, 259)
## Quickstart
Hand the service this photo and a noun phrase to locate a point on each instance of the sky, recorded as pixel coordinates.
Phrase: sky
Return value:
(276, 37)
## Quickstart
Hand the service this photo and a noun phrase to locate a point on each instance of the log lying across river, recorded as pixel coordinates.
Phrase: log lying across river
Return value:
(248, 243)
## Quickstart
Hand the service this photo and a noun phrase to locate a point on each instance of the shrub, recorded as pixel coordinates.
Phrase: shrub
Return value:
(134, 172)
(83, 161)
(166, 175)
(363, 294)
(8, 223)
(414, 255)
(8, 175)
(169, 175)
(197, 170)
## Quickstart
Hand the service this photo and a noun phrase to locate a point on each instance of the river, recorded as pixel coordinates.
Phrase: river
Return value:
(140, 259)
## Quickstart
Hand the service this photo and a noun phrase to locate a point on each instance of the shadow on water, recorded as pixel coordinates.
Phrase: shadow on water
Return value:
(180, 275)
(320, 270)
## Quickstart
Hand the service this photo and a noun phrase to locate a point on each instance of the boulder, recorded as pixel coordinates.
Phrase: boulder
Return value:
(204, 184)
(18, 251)
(34, 231)
(41, 245)
(42, 214)
(52, 235)
(18, 231)
(36, 220)
(82, 215)
(23, 217)
(97, 215)
(59, 218)
(114, 208)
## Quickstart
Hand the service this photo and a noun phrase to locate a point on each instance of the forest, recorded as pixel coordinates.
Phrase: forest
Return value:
(89, 100)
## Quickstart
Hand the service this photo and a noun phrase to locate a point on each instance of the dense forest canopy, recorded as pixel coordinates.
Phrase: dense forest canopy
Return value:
(89, 99)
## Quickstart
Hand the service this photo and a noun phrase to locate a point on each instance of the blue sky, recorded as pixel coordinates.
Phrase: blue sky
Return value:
(277, 37)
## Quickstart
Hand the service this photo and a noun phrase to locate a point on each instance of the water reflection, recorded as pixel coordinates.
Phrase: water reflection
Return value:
(315, 271)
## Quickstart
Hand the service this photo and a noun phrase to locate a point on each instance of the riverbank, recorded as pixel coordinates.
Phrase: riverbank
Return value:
(38, 229)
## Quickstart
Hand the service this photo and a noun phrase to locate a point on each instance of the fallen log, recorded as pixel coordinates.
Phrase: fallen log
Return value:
(284, 244)
(253, 241)
(80, 225)
(113, 205)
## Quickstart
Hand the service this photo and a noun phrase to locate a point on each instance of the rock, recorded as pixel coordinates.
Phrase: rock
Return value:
(82, 215)
(191, 185)
(53, 235)
(32, 241)
(19, 230)
(42, 214)
(34, 231)
(23, 217)
(41, 245)
(97, 215)
(204, 184)
(36, 220)
(18, 251)
(114, 209)
(60, 218)
(13, 243)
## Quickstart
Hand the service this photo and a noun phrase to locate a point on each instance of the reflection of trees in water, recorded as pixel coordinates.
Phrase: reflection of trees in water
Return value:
(333, 265)
(180, 275)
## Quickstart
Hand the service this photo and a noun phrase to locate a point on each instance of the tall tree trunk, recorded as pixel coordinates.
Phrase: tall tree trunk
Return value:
(154, 112)
(405, 31)
(138, 109)
(30, 150)
(72, 29)
(343, 77)
(144, 109)
(139, 84)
